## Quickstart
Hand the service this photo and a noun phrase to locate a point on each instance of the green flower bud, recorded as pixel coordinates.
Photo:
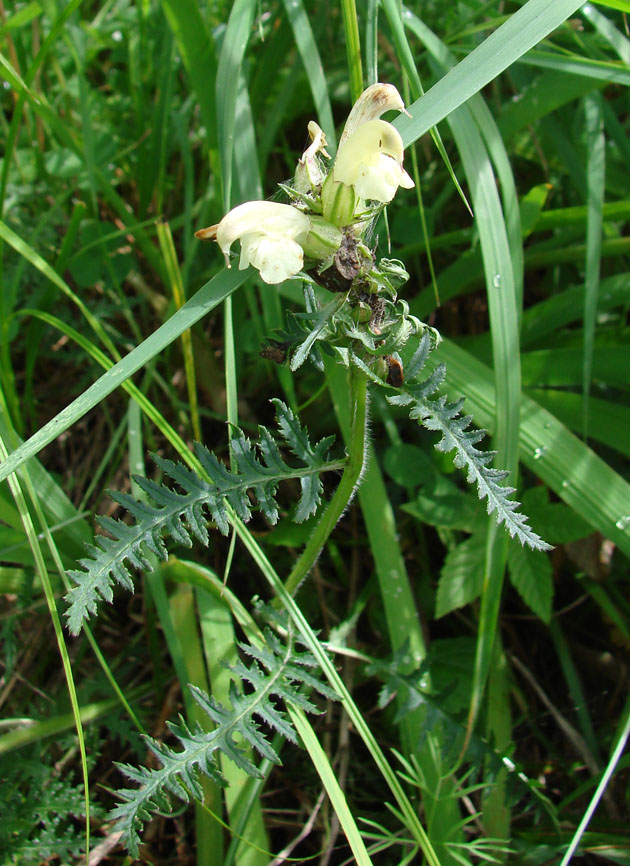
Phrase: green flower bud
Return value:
(322, 239)
(339, 201)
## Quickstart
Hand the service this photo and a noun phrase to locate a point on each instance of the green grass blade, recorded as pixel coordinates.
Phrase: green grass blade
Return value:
(353, 47)
(196, 48)
(44, 577)
(219, 647)
(141, 400)
(245, 150)
(20, 18)
(608, 423)
(504, 298)
(596, 177)
(235, 41)
(33, 257)
(209, 834)
(57, 507)
(574, 684)
(56, 725)
(598, 70)
(371, 43)
(206, 299)
(355, 715)
(171, 265)
(406, 57)
(622, 5)
(528, 26)
(615, 756)
(329, 780)
(401, 616)
(605, 27)
(305, 41)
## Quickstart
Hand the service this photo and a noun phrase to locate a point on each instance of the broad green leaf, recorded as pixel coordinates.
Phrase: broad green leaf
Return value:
(461, 576)
(408, 465)
(531, 574)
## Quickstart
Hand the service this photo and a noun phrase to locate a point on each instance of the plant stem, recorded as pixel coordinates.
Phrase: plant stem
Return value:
(353, 47)
(347, 485)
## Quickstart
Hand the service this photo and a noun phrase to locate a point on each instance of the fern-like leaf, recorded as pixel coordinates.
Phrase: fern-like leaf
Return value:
(182, 516)
(276, 671)
(444, 417)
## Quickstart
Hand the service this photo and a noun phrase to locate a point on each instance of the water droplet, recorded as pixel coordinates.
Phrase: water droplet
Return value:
(6, 85)
(496, 281)
(623, 522)
(117, 36)
(547, 425)
(539, 452)
(566, 483)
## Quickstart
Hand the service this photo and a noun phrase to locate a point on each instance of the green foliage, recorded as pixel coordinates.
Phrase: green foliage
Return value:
(461, 576)
(277, 671)
(181, 516)
(340, 323)
(41, 809)
(438, 414)
(111, 123)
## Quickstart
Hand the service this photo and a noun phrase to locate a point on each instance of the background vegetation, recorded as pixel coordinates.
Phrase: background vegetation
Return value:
(493, 678)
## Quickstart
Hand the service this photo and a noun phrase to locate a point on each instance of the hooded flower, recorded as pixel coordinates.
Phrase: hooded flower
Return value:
(270, 234)
(373, 102)
(274, 238)
(369, 161)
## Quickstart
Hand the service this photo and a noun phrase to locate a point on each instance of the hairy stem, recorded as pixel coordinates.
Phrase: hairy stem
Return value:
(347, 485)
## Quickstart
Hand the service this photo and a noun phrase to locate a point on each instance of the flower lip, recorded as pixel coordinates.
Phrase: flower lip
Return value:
(268, 218)
(270, 235)
(371, 159)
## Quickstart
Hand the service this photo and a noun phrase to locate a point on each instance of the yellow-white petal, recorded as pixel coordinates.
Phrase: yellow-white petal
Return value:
(268, 218)
(277, 258)
(370, 160)
(373, 102)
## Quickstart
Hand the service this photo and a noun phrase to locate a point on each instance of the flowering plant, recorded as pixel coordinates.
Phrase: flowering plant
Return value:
(327, 204)
(321, 234)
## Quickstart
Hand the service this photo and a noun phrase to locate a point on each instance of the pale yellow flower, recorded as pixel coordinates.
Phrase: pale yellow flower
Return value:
(270, 234)
(371, 160)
